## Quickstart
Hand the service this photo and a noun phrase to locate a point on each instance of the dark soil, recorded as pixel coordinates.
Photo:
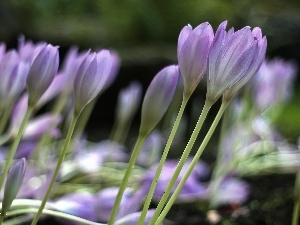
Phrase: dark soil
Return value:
(270, 203)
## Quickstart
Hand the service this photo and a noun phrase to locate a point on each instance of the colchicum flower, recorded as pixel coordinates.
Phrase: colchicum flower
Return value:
(273, 82)
(13, 184)
(158, 98)
(233, 59)
(92, 76)
(13, 73)
(42, 72)
(193, 49)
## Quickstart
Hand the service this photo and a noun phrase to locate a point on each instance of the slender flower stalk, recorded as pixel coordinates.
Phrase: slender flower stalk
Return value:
(192, 164)
(55, 173)
(181, 162)
(15, 145)
(296, 209)
(91, 77)
(193, 49)
(162, 161)
(156, 101)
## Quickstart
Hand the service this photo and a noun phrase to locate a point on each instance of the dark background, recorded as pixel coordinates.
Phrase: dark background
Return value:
(145, 32)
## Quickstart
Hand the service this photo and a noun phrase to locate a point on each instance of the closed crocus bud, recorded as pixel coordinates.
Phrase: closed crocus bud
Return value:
(91, 77)
(128, 101)
(13, 184)
(158, 98)
(193, 49)
(234, 58)
(42, 72)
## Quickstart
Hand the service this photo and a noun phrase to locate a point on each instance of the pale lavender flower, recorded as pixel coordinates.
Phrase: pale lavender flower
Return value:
(273, 83)
(231, 191)
(46, 123)
(106, 199)
(233, 59)
(91, 77)
(2, 50)
(13, 73)
(58, 84)
(192, 190)
(90, 159)
(28, 50)
(133, 218)
(13, 184)
(128, 101)
(42, 72)
(193, 49)
(81, 204)
(158, 98)
(115, 66)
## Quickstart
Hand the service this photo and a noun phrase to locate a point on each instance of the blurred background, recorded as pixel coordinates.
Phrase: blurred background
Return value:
(145, 32)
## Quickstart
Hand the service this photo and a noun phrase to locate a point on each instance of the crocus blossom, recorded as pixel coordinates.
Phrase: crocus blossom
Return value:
(13, 184)
(273, 83)
(42, 72)
(233, 59)
(158, 98)
(92, 75)
(13, 73)
(192, 52)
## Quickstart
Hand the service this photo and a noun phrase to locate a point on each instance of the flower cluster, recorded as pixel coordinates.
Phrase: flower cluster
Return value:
(118, 181)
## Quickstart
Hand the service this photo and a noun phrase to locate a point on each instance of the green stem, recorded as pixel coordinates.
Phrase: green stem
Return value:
(4, 118)
(193, 163)
(182, 160)
(162, 160)
(118, 131)
(134, 155)
(18, 220)
(15, 145)
(46, 138)
(84, 117)
(58, 165)
(53, 213)
(295, 217)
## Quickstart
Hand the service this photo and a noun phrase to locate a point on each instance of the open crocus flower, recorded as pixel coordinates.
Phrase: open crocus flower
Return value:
(192, 52)
(233, 59)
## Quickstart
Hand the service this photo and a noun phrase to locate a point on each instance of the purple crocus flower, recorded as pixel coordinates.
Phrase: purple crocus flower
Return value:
(133, 218)
(233, 59)
(193, 188)
(42, 72)
(28, 50)
(2, 50)
(106, 199)
(81, 204)
(128, 101)
(13, 73)
(91, 77)
(273, 82)
(46, 123)
(192, 52)
(158, 98)
(231, 190)
(13, 184)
